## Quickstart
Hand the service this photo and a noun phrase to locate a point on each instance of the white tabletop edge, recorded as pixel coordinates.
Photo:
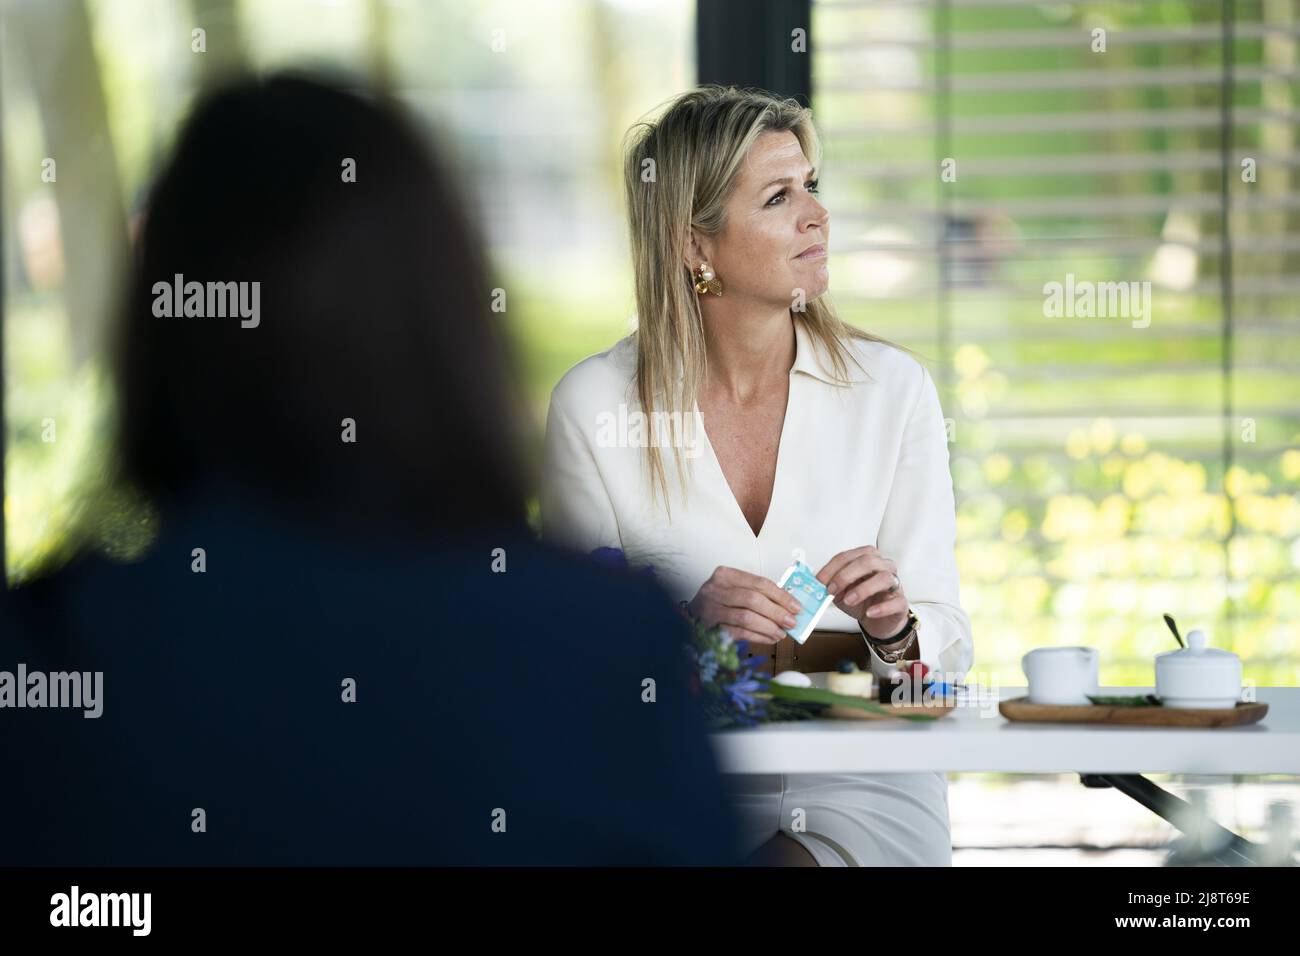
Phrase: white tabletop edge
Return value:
(977, 738)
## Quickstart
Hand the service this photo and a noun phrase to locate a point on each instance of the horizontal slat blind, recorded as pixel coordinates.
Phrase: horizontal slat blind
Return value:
(1108, 468)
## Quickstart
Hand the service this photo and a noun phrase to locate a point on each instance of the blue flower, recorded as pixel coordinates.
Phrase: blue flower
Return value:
(741, 694)
(748, 681)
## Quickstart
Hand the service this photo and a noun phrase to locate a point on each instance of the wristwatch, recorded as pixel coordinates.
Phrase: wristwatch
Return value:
(909, 631)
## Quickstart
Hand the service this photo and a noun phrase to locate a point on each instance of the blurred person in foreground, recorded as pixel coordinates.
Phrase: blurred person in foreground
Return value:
(329, 653)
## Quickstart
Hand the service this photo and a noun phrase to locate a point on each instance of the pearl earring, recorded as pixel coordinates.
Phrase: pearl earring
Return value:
(706, 281)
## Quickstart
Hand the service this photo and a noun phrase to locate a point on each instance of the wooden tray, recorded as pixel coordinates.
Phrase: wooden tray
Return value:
(1019, 708)
(896, 711)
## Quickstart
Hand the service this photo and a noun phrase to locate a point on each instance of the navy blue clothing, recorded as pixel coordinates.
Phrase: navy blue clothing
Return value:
(480, 696)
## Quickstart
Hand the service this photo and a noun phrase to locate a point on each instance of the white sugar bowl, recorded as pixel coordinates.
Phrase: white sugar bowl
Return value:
(1198, 676)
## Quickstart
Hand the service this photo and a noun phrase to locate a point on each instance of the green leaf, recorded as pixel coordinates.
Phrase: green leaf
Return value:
(816, 695)
(1136, 700)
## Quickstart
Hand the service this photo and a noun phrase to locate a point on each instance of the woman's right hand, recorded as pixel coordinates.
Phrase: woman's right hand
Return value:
(750, 607)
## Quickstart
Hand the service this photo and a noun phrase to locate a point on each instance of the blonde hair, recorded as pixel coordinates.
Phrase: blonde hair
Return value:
(694, 151)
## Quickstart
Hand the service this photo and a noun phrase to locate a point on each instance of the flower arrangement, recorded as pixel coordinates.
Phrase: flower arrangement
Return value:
(731, 690)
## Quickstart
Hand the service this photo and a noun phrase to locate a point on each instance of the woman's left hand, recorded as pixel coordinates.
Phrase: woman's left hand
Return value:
(860, 579)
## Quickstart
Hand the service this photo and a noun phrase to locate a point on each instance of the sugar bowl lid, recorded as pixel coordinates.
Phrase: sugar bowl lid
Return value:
(1196, 654)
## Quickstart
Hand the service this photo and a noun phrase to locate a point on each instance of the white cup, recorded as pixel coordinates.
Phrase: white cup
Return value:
(1061, 675)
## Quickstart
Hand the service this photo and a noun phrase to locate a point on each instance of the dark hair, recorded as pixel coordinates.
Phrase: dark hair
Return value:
(374, 306)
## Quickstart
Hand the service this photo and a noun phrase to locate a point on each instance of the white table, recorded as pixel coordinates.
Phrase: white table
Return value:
(976, 738)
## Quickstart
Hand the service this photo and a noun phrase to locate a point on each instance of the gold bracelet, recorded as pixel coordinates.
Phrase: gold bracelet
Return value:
(893, 657)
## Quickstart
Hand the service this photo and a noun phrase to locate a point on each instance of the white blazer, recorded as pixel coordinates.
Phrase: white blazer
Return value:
(861, 464)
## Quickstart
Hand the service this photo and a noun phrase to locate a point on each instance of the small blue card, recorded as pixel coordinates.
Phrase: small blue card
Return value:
(812, 596)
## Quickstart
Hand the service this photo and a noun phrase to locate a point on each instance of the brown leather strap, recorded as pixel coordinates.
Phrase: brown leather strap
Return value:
(823, 651)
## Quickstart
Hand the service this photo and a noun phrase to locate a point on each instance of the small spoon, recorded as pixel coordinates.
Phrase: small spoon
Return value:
(1174, 627)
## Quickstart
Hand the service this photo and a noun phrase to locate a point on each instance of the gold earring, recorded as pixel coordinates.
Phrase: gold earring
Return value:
(706, 281)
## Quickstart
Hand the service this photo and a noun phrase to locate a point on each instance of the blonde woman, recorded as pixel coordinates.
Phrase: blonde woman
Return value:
(743, 425)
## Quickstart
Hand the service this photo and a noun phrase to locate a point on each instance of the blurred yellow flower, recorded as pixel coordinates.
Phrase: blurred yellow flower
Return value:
(1103, 435)
(1068, 516)
(1239, 481)
(1185, 478)
(1291, 465)
(1077, 444)
(1112, 517)
(1015, 524)
(970, 361)
(1133, 444)
(1139, 477)
(997, 468)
